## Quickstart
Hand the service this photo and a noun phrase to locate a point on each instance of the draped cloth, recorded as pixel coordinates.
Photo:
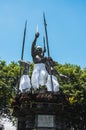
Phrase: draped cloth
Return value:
(54, 82)
(39, 75)
(24, 85)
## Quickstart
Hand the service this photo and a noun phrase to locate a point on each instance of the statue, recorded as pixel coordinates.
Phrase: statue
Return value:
(24, 85)
(39, 73)
(43, 73)
(52, 82)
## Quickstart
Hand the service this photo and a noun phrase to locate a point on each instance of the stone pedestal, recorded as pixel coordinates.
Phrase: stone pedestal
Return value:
(41, 113)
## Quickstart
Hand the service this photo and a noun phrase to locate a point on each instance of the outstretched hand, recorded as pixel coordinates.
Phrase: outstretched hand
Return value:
(64, 76)
(37, 34)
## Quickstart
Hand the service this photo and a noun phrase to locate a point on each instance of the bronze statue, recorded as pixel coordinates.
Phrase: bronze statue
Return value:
(39, 73)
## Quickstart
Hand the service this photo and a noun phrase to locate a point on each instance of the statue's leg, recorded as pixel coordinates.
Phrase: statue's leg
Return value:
(27, 83)
(35, 78)
(55, 84)
(24, 83)
(43, 76)
(48, 84)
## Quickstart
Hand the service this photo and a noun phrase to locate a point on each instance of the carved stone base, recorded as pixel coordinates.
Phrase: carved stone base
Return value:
(41, 111)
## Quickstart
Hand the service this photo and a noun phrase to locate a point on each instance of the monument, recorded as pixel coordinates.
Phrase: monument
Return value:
(39, 104)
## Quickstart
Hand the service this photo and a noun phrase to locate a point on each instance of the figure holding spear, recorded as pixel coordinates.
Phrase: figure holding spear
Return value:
(24, 84)
(52, 82)
(39, 74)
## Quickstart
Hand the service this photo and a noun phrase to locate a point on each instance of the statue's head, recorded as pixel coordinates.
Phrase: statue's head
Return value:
(39, 49)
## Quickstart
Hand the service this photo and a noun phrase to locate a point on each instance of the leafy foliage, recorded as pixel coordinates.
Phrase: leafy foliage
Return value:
(8, 83)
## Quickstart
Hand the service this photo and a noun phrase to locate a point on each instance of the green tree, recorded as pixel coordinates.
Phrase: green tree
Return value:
(8, 84)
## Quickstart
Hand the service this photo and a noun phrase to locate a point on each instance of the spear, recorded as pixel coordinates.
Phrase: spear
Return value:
(44, 45)
(47, 44)
(45, 26)
(22, 53)
(23, 44)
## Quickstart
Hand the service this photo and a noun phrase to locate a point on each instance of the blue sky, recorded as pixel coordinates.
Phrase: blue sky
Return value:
(66, 26)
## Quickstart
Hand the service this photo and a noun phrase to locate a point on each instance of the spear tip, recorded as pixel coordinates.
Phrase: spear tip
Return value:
(26, 22)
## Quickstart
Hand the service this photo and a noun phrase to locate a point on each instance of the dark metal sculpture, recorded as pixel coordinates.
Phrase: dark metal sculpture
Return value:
(30, 108)
(22, 54)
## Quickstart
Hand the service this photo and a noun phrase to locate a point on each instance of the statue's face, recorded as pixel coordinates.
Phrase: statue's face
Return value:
(39, 50)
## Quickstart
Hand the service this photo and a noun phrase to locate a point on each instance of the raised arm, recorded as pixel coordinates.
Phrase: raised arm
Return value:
(34, 44)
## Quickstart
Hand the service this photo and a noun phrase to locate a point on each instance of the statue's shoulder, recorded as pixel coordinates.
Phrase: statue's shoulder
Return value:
(22, 62)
